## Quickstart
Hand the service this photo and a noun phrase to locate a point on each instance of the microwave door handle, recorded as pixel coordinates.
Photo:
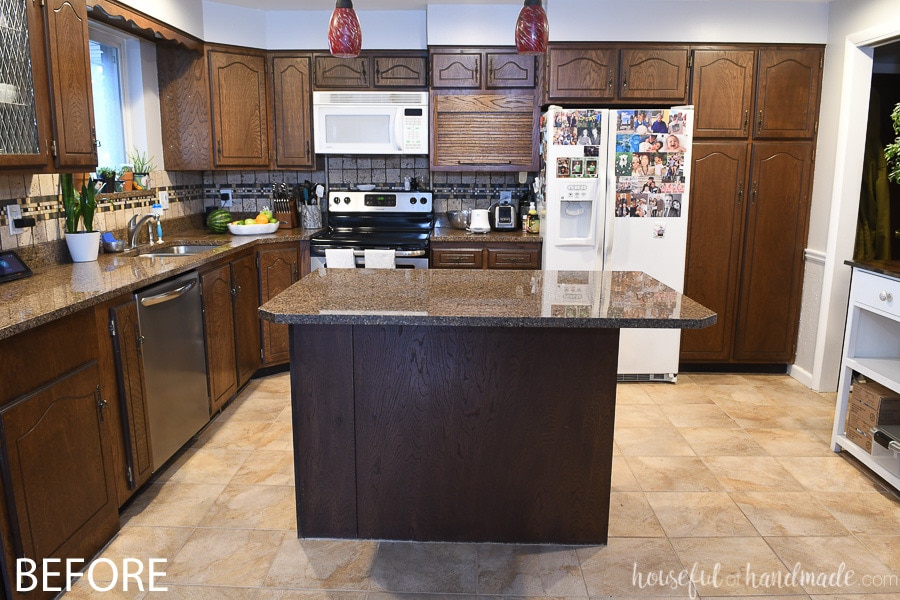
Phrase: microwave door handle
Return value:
(398, 129)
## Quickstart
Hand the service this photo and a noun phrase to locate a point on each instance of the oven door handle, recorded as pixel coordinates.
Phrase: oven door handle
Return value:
(398, 253)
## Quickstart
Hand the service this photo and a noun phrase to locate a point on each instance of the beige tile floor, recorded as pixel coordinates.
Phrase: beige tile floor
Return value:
(724, 479)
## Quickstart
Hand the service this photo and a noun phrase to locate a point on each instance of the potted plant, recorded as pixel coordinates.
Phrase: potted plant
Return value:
(83, 245)
(108, 176)
(892, 150)
(141, 165)
(126, 176)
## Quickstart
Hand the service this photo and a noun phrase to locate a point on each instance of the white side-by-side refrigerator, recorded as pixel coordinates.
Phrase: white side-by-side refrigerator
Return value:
(614, 193)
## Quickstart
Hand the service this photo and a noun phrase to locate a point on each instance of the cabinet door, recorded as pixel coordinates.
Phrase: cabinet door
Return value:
(244, 277)
(218, 326)
(456, 258)
(456, 70)
(582, 73)
(342, 73)
(717, 206)
(132, 395)
(723, 93)
(508, 70)
(70, 80)
(184, 108)
(474, 132)
(57, 469)
(787, 97)
(654, 74)
(401, 71)
(514, 257)
(291, 88)
(238, 89)
(23, 127)
(771, 279)
(278, 269)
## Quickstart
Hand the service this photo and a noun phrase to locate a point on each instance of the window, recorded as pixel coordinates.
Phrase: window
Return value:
(126, 96)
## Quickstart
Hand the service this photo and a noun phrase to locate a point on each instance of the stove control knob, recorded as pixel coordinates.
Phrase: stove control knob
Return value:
(336, 200)
(346, 199)
(423, 200)
(412, 200)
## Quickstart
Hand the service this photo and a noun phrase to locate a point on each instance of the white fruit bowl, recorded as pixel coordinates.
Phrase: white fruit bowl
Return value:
(256, 229)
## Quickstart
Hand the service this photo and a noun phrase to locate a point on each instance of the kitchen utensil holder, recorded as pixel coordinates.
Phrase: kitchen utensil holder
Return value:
(311, 216)
(287, 220)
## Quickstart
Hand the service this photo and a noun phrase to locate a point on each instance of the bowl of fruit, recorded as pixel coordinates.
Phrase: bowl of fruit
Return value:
(264, 222)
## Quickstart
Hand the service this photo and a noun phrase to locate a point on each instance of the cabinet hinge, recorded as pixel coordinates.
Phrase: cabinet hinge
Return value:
(690, 61)
(53, 151)
(112, 328)
(101, 403)
(262, 355)
(129, 476)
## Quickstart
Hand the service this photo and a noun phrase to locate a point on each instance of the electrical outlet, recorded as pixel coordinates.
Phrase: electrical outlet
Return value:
(226, 196)
(523, 177)
(163, 198)
(506, 196)
(14, 211)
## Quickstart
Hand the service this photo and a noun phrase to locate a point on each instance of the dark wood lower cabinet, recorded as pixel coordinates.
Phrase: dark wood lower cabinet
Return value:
(219, 330)
(244, 280)
(488, 255)
(279, 267)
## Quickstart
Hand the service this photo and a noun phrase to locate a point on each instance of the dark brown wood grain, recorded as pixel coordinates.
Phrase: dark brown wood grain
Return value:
(400, 71)
(292, 111)
(244, 278)
(342, 73)
(453, 433)
(507, 69)
(488, 255)
(722, 93)
(219, 330)
(714, 248)
(787, 102)
(456, 69)
(185, 109)
(659, 74)
(579, 72)
(240, 108)
(324, 429)
(279, 267)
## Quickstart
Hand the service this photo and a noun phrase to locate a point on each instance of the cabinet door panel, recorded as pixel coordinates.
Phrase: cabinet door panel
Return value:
(59, 473)
(293, 114)
(342, 73)
(718, 173)
(70, 78)
(772, 273)
(238, 84)
(655, 74)
(506, 70)
(244, 277)
(219, 331)
(184, 108)
(788, 94)
(456, 70)
(278, 269)
(582, 73)
(723, 93)
(401, 71)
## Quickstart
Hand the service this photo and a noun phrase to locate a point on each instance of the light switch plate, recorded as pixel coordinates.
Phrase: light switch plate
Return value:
(226, 197)
(506, 196)
(163, 198)
(14, 211)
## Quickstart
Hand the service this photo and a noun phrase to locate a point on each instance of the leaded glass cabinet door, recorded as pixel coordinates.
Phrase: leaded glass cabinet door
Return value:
(23, 142)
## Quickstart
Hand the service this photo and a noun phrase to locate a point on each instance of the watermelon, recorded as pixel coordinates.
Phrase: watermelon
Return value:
(218, 220)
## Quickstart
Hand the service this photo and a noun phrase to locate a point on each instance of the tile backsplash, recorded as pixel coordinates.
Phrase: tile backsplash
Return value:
(191, 192)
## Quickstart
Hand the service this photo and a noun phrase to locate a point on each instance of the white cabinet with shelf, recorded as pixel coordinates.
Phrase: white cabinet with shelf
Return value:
(872, 349)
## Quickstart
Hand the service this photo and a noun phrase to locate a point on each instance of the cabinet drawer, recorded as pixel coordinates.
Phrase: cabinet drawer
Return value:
(456, 259)
(880, 293)
(513, 259)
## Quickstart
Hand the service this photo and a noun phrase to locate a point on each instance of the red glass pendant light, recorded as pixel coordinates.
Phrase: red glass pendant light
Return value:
(344, 33)
(532, 31)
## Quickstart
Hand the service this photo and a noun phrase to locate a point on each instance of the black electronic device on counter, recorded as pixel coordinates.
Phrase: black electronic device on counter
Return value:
(503, 217)
(12, 267)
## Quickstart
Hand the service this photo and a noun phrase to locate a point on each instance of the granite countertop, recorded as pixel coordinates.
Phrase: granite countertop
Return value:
(60, 290)
(451, 234)
(466, 297)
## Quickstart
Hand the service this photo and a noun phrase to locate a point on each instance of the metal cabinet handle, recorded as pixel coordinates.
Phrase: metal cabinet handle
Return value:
(746, 120)
(740, 192)
(885, 296)
(609, 80)
(759, 122)
(625, 79)
(365, 77)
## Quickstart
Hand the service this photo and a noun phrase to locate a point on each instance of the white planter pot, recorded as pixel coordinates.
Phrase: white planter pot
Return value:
(84, 245)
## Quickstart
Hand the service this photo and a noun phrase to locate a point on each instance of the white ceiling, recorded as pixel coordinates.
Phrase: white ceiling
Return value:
(403, 4)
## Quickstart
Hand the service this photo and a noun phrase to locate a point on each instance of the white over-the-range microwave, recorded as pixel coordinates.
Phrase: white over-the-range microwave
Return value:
(370, 122)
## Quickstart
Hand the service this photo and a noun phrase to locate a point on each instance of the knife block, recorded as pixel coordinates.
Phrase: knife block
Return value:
(287, 220)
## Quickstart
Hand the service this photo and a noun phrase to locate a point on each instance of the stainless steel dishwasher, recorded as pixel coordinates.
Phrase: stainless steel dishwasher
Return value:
(174, 359)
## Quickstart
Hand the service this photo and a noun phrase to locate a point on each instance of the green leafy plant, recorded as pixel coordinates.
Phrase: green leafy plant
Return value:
(892, 151)
(80, 208)
(140, 162)
(125, 169)
(106, 173)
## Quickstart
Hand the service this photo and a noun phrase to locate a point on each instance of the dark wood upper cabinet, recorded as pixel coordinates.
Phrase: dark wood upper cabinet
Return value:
(72, 100)
(185, 110)
(371, 70)
(723, 92)
(456, 69)
(658, 74)
(787, 97)
(582, 72)
(239, 106)
(292, 112)
(481, 68)
(509, 70)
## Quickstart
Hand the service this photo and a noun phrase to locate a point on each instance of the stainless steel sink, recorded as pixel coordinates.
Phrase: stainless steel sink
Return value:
(182, 250)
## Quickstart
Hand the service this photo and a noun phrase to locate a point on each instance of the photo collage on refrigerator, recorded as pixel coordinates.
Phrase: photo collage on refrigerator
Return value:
(649, 168)
(578, 127)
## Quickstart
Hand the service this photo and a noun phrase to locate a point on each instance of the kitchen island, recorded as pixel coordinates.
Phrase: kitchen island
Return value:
(461, 405)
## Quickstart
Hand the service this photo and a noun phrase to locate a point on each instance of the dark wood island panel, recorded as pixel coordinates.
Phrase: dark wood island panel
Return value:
(454, 433)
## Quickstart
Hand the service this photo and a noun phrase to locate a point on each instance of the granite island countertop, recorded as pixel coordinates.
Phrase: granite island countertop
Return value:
(465, 297)
(60, 290)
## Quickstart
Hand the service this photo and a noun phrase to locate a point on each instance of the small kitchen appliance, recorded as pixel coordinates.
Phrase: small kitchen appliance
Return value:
(503, 217)
(396, 220)
(480, 222)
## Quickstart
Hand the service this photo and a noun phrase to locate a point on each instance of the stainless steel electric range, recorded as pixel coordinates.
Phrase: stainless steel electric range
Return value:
(377, 219)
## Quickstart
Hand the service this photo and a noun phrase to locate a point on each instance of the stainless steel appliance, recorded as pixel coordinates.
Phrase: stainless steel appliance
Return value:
(377, 220)
(503, 217)
(370, 122)
(174, 360)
